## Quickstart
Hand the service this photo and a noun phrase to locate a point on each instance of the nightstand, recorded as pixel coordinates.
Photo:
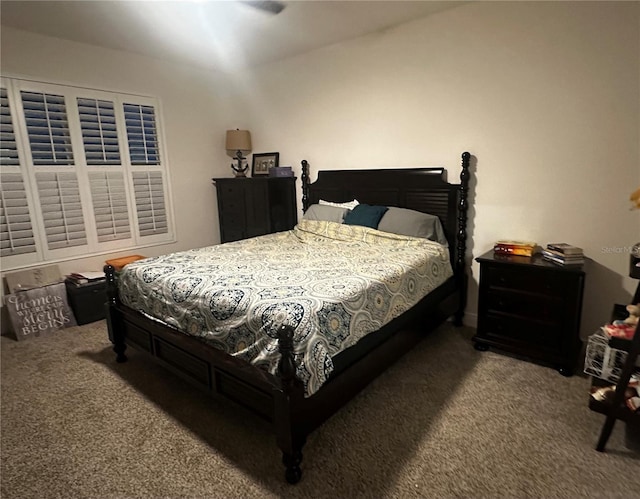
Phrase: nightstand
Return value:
(87, 300)
(530, 307)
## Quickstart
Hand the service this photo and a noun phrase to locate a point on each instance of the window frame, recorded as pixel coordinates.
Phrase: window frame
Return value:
(84, 171)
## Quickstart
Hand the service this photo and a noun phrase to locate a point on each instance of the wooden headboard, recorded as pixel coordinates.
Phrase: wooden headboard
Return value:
(420, 189)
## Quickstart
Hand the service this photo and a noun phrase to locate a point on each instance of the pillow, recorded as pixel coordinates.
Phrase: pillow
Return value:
(350, 205)
(413, 223)
(366, 215)
(325, 213)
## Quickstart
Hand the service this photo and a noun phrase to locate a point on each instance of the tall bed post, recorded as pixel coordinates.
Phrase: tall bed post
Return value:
(288, 435)
(461, 246)
(305, 185)
(113, 323)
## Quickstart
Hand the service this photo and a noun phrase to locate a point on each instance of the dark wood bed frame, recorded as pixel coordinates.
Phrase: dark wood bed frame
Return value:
(280, 398)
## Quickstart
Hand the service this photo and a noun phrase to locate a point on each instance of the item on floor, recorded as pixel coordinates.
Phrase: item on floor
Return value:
(516, 248)
(39, 311)
(33, 278)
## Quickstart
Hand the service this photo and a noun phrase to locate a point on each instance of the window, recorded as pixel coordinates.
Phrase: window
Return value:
(82, 172)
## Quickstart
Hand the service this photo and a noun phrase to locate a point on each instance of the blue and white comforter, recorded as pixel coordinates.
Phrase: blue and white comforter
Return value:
(333, 283)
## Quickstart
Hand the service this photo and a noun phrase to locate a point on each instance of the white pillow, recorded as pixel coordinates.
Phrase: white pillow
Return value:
(350, 205)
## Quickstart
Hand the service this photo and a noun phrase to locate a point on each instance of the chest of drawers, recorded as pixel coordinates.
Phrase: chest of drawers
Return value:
(530, 307)
(249, 207)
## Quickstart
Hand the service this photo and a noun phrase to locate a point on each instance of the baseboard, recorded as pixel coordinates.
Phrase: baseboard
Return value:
(470, 319)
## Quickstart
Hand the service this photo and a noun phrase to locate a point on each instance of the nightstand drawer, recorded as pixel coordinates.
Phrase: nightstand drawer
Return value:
(543, 309)
(523, 332)
(543, 282)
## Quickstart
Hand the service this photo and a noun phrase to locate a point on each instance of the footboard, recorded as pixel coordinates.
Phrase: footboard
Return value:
(274, 398)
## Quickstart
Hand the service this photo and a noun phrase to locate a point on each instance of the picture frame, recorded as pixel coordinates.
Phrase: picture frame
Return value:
(262, 162)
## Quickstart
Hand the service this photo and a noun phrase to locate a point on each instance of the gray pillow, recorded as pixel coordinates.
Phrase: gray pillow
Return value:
(413, 223)
(325, 212)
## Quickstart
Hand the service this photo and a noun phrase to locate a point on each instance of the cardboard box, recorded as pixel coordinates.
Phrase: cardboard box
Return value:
(33, 278)
(280, 171)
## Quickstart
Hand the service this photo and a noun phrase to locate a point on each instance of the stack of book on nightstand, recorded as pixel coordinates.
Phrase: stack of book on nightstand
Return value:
(86, 277)
(515, 248)
(563, 254)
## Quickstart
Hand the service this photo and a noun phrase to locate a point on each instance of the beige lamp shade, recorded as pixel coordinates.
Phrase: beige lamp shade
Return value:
(238, 140)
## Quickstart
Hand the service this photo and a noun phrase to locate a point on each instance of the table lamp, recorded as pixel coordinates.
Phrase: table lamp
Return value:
(237, 143)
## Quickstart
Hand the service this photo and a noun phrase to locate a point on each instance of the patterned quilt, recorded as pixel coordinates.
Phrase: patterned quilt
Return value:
(333, 283)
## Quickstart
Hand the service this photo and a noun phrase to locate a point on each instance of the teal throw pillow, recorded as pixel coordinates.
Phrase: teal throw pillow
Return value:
(365, 215)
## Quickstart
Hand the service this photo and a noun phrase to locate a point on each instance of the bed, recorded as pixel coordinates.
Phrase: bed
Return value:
(298, 378)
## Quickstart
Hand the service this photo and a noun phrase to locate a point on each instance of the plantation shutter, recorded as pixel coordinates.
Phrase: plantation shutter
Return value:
(142, 134)
(47, 128)
(8, 147)
(110, 205)
(99, 134)
(16, 232)
(61, 209)
(82, 173)
(149, 194)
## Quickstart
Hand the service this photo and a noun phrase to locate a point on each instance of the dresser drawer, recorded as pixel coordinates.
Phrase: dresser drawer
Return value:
(532, 280)
(232, 204)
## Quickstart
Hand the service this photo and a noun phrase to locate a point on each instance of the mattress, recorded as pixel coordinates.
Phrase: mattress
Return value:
(333, 283)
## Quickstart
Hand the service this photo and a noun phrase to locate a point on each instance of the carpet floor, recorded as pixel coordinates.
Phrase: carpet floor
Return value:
(444, 421)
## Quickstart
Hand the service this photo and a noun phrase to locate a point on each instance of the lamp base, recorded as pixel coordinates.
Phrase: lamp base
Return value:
(240, 169)
(240, 172)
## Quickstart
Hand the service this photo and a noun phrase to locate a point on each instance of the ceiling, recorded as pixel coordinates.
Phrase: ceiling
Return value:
(221, 35)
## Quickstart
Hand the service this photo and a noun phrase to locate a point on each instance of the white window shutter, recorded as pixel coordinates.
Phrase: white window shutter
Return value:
(8, 146)
(110, 205)
(61, 207)
(16, 232)
(47, 128)
(142, 134)
(99, 133)
(149, 193)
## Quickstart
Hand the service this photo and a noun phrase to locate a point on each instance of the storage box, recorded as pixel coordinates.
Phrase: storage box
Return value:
(601, 360)
(280, 171)
(87, 300)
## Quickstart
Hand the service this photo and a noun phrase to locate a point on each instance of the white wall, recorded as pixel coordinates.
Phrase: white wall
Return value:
(193, 105)
(546, 96)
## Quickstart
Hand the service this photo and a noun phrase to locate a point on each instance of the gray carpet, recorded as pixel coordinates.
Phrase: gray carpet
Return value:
(445, 421)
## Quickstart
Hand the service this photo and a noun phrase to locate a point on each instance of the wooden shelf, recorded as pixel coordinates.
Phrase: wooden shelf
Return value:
(616, 409)
(620, 344)
(622, 412)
